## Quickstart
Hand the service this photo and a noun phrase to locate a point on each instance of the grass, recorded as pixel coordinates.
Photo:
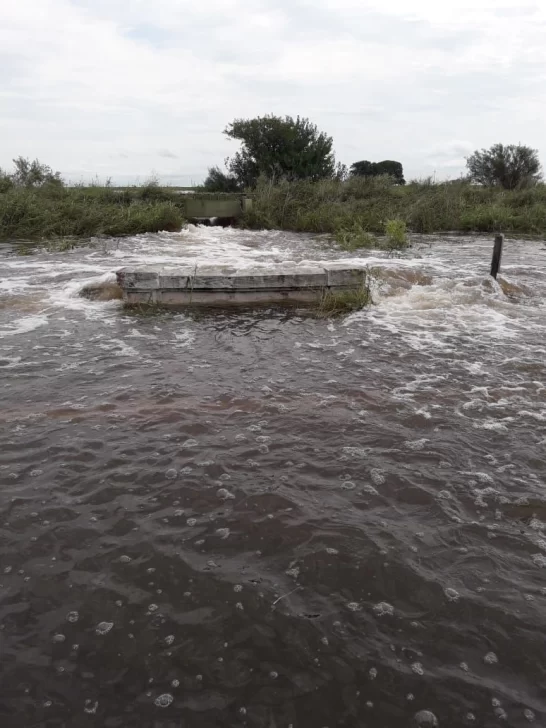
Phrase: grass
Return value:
(68, 213)
(354, 211)
(338, 303)
(359, 207)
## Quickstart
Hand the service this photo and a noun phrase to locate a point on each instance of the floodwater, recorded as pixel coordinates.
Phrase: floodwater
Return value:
(268, 519)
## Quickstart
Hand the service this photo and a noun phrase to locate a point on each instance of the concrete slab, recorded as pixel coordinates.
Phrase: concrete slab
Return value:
(215, 285)
(347, 276)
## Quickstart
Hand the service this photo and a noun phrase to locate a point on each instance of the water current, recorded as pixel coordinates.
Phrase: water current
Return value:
(269, 519)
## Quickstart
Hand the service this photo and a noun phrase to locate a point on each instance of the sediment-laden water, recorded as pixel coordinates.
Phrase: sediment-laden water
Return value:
(268, 519)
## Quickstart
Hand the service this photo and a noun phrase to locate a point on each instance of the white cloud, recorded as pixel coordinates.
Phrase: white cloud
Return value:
(112, 88)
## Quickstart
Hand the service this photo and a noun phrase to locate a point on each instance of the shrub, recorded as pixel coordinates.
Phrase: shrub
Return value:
(354, 237)
(336, 303)
(396, 234)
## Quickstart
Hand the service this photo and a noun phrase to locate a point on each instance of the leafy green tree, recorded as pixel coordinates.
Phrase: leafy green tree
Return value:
(512, 166)
(34, 174)
(374, 169)
(6, 181)
(279, 147)
(218, 181)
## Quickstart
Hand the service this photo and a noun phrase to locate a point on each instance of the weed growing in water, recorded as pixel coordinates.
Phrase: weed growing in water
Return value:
(396, 232)
(355, 238)
(338, 303)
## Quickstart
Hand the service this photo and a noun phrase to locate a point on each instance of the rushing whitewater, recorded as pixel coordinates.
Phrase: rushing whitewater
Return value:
(264, 518)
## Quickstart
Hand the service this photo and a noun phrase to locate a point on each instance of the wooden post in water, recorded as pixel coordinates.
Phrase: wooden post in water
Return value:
(497, 255)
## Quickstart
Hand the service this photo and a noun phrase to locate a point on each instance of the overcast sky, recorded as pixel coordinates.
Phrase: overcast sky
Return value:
(122, 88)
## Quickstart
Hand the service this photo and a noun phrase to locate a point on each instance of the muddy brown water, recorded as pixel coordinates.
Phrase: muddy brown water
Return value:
(267, 519)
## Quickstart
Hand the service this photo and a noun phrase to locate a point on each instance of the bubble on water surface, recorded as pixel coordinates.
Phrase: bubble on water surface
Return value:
(416, 445)
(223, 532)
(191, 521)
(175, 683)
(72, 617)
(332, 551)
(491, 658)
(417, 668)
(273, 675)
(464, 666)
(153, 607)
(238, 588)
(348, 485)
(59, 638)
(103, 628)
(171, 474)
(372, 673)
(377, 476)
(425, 719)
(90, 706)
(169, 640)
(224, 494)
(452, 594)
(529, 715)
(539, 560)
(384, 608)
(354, 606)
(163, 701)
(190, 443)
(125, 559)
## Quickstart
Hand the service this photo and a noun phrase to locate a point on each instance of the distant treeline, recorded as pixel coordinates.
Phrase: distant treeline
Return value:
(284, 148)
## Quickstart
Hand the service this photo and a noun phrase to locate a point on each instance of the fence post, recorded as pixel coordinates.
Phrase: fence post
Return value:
(497, 255)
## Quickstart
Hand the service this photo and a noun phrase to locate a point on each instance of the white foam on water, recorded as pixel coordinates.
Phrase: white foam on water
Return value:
(24, 325)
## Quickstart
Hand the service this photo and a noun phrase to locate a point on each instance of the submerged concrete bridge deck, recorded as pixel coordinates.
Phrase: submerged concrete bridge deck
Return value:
(212, 285)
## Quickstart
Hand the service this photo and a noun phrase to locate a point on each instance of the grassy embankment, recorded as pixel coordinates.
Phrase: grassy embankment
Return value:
(353, 211)
(54, 211)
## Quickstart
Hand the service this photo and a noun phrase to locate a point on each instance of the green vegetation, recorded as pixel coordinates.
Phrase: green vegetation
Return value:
(355, 237)
(35, 204)
(338, 303)
(350, 208)
(278, 148)
(32, 214)
(512, 167)
(376, 169)
(396, 231)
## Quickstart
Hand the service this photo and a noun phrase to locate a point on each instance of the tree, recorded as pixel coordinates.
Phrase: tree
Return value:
(510, 166)
(34, 174)
(6, 182)
(218, 181)
(279, 147)
(374, 169)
